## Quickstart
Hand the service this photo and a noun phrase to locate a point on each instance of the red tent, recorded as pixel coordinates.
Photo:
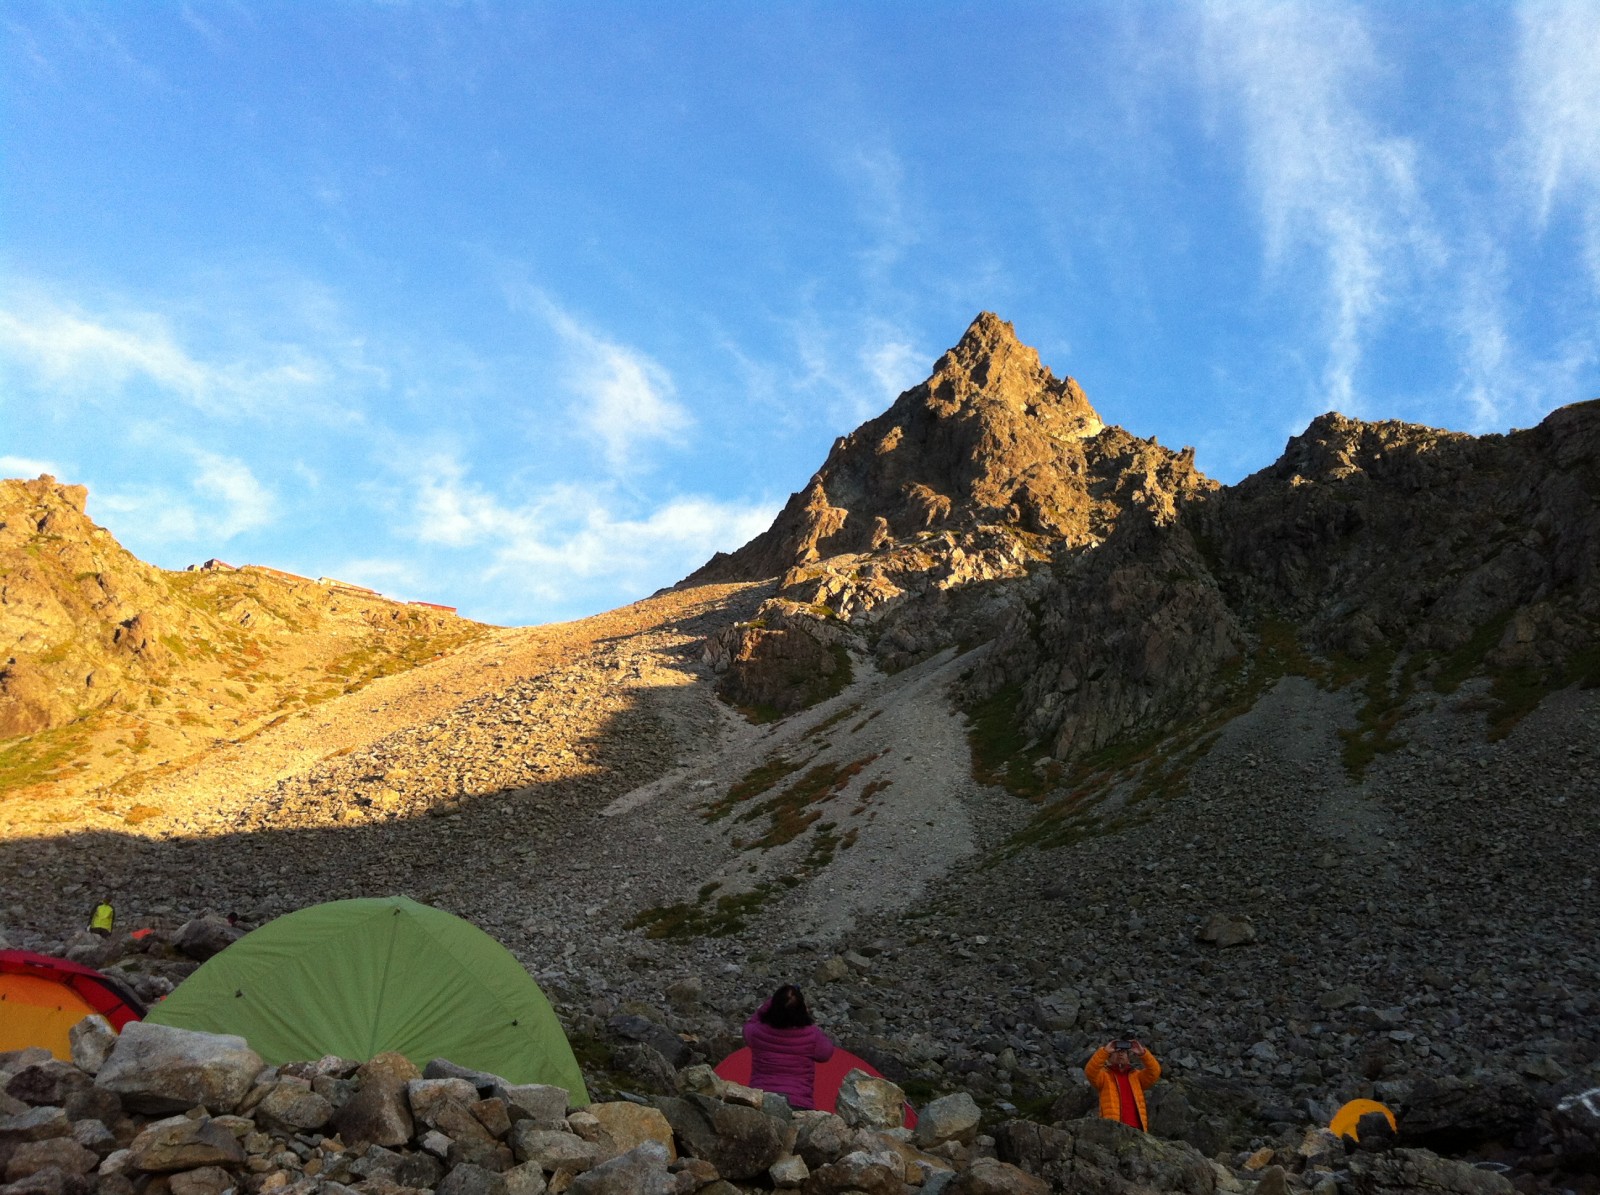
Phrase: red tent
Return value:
(42, 998)
(736, 1069)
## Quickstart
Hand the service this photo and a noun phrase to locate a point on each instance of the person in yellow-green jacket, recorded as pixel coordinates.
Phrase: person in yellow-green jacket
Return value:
(102, 920)
(1121, 1071)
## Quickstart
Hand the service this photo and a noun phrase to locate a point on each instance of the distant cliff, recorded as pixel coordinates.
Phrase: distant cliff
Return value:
(99, 648)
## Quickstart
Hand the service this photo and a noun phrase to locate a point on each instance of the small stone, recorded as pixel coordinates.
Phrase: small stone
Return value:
(92, 1040)
(788, 1171)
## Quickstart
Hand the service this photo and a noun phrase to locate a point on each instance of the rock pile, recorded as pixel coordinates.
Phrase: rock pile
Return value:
(174, 1112)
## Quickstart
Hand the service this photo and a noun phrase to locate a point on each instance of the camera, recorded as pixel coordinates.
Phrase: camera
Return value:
(1122, 1045)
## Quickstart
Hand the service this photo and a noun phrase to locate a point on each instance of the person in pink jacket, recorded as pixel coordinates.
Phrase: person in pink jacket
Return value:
(785, 1047)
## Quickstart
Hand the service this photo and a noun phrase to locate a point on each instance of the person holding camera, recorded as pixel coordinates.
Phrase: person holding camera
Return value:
(1121, 1071)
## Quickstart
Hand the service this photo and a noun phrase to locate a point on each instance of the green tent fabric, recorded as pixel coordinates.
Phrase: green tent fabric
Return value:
(358, 977)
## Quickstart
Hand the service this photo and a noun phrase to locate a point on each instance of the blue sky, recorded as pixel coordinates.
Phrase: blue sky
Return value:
(528, 308)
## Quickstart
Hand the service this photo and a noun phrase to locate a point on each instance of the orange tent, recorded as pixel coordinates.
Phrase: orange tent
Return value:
(1348, 1117)
(42, 998)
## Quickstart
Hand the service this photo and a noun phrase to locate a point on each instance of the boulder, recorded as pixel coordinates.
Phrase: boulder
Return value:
(205, 1180)
(429, 1096)
(526, 1179)
(94, 1136)
(873, 1173)
(203, 937)
(949, 1118)
(658, 1037)
(821, 1137)
(540, 1102)
(1226, 929)
(553, 1149)
(740, 1142)
(644, 1066)
(180, 1143)
(1449, 1112)
(156, 1068)
(640, 1171)
(631, 1125)
(988, 1176)
(292, 1105)
(36, 1124)
(468, 1179)
(1407, 1171)
(1576, 1121)
(868, 1102)
(92, 1040)
(48, 1082)
(379, 1113)
(789, 1171)
(65, 1154)
(1105, 1157)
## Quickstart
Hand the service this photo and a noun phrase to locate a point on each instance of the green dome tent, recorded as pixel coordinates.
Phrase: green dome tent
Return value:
(358, 977)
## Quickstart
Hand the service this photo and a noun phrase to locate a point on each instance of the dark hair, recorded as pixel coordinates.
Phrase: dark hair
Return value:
(787, 1009)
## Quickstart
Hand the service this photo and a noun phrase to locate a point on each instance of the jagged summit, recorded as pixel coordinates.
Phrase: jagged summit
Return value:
(992, 439)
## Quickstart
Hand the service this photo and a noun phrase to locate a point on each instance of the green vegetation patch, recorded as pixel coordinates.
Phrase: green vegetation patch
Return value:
(719, 918)
(757, 781)
(792, 810)
(1001, 755)
(45, 756)
(832, 720)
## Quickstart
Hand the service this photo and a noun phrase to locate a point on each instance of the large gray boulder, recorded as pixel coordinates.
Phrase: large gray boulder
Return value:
(640, 1171)
(949, 1118)
(1414, 1171)
(156, 1068)
(873, 1173)
(292, 1105)
(740, 1142)
(1104, 1157)
(989, 1176)
(468, 1179)
(204, 937)
(821, 1137)
(868, 1102)
(47, 1082)
(36, 1124)
(553, 1149)
(379, 1113)
(65, 1154)
(180, 1143)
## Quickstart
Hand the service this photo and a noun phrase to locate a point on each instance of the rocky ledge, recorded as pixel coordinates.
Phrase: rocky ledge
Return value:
(164, 1111)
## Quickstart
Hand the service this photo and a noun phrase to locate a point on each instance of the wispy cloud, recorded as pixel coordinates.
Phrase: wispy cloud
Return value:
(26, 466)
(1326, 178)
(565, 538)
(878, 176)
(624, 400)
(223, 499)
(1558, 77)
(104, 356)
(893, 364)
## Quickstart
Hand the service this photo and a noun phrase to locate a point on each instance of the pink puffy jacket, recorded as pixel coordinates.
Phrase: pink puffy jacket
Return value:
(785, 1060)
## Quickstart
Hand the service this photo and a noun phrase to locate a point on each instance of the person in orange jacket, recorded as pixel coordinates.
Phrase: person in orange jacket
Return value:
(1121, 1071)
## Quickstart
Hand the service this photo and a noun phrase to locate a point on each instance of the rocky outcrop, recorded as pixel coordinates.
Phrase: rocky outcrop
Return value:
(991, 468)
(91, 636)
(1439, 553)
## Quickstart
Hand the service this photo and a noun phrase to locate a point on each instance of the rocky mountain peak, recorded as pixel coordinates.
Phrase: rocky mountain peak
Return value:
(989, 364)
(992, 443)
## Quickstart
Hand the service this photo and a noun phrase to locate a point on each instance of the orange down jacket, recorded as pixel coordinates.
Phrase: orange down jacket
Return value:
(1106, 1083)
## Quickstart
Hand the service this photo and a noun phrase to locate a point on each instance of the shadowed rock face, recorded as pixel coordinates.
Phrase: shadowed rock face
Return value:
(991, 439)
